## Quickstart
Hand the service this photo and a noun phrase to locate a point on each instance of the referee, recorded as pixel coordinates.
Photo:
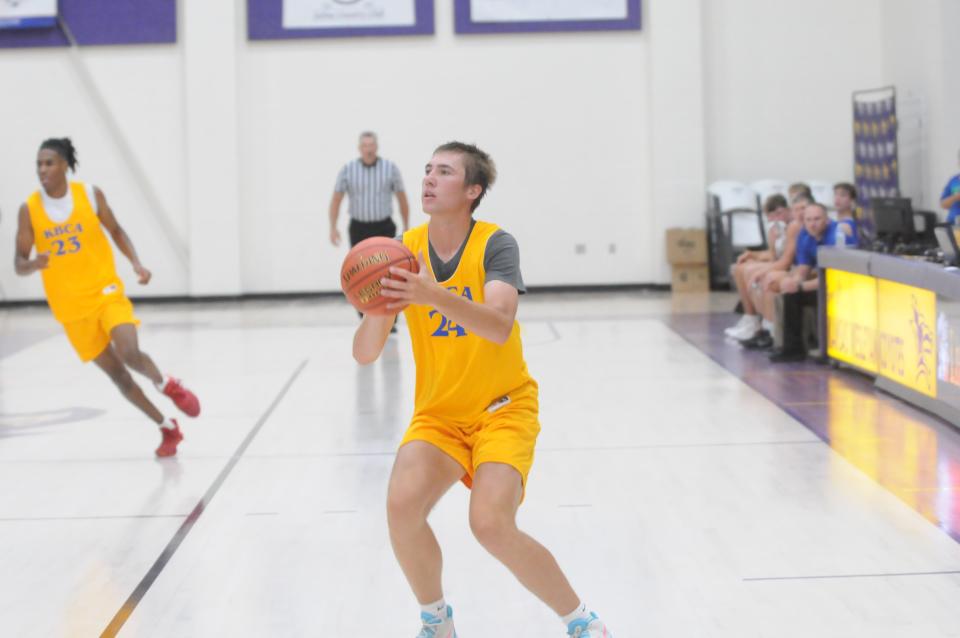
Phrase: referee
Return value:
(371, 182)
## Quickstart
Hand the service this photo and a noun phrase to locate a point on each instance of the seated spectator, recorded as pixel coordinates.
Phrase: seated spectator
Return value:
(757, 262)
(818, 230)
(845, 201)
(799, 287)
(798, 188)
(950, 200)
(759, 281)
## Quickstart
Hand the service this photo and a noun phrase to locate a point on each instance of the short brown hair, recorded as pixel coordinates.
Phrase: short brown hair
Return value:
(799, 188)
(850, 189)
(774, 202)
(478, 167)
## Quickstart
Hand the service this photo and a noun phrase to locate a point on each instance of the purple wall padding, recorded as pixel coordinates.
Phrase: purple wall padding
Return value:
(465, 24)
(99, 22)
(265, 22)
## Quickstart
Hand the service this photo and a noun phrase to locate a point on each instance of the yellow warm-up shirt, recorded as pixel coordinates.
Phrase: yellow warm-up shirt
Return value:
(460, 375)
(82, 274)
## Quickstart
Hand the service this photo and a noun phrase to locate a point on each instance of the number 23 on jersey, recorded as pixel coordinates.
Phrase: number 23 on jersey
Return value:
(65, 246)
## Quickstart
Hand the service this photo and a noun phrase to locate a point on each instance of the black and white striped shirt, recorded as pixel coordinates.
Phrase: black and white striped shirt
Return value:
(370, 188)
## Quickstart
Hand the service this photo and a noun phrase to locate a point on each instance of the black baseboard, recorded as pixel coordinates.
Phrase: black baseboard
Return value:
(290, 296)
(594, 288)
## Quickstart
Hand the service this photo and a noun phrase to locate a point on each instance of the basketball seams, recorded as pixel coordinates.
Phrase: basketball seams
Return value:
(369, 277)
(364, 268)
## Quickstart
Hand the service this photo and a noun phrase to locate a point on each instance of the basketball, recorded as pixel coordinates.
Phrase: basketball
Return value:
(365, 265)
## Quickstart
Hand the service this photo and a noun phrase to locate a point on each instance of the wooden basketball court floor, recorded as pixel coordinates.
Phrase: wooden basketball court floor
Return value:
(686, 489)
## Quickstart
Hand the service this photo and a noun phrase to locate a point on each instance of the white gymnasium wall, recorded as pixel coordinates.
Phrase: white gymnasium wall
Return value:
(947, 163)
(920, 50)
(565, 117)
(779, 78)
(602, 139)
(677, 149)
(55, 93)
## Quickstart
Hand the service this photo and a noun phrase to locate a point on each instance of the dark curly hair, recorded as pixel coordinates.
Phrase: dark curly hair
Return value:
(63, 147)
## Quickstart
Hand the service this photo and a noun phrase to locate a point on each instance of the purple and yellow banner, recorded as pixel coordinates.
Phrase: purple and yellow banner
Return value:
(876, 166)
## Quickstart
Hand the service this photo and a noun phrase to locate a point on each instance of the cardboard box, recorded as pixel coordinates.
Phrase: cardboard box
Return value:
(686, 246)
(690, 278)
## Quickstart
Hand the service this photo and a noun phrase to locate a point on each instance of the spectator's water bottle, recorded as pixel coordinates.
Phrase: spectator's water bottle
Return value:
(839, 237)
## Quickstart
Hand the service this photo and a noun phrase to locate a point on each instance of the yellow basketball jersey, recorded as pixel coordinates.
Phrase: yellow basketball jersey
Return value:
(81, 275)
(459, 375)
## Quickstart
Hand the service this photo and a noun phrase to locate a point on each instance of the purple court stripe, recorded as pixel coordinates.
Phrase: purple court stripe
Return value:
(842, 576)
(131, 603)
(910, 453)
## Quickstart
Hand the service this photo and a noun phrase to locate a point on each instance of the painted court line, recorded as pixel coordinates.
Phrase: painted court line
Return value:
(841, 576)
(131, 603)
(117, 517)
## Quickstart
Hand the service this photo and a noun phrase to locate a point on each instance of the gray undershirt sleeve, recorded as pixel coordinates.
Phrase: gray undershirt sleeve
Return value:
(502, 260)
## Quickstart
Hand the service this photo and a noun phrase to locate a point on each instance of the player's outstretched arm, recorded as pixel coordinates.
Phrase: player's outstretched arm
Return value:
(22, 263)
(370, 337)
(120, 237)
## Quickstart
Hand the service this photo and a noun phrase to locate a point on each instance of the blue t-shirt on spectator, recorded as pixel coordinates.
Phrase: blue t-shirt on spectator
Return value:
(842, 239)
(807, 245)
(953, 187)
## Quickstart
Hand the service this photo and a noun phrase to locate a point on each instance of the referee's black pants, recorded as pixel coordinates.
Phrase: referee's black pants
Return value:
(365, 230)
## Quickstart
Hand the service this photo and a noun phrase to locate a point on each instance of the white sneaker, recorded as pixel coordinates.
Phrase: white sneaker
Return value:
(436, 627)
(750, 327)
(591, 627)
(744, 320)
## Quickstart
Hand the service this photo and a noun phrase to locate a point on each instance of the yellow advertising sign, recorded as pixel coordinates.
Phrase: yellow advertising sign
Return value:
(852, 319)
(907, 336)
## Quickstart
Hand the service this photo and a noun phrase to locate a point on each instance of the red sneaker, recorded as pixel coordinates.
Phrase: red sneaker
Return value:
(184, 399)
(168, 446)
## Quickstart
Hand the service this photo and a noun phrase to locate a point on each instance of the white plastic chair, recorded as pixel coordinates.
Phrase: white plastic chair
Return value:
(764, 188)
(822, 192)
(733, 223)
(736, 204)
(727, 195)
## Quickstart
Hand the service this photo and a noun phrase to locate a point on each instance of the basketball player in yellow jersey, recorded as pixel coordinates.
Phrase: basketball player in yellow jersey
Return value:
(64, 221)
(476, 412)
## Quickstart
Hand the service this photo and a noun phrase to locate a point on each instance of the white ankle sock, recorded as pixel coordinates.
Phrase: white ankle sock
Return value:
(767, 325)
(438, 609)
(576, 614)
(163, 382)
(168, 424)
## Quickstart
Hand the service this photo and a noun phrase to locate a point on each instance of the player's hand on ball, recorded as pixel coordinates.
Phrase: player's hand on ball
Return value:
(407, 288)
(143, 275)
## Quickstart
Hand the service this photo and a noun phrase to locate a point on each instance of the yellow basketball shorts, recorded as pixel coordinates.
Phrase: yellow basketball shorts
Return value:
(90, 336)
(506, 432)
